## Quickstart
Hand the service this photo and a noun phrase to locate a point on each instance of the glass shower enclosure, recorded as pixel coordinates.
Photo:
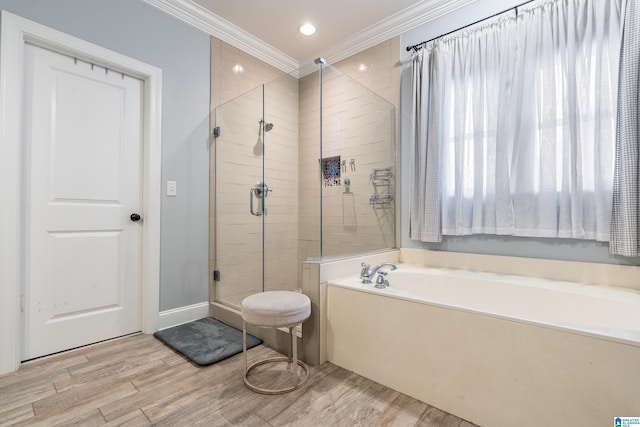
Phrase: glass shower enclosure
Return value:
(304, 169)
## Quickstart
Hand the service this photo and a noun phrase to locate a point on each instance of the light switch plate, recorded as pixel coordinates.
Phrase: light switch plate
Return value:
(172, 189)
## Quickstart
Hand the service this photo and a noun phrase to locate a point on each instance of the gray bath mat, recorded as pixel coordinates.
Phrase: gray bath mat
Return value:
(205, 341)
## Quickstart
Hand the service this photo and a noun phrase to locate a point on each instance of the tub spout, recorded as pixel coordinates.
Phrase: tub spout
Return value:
(367, 272)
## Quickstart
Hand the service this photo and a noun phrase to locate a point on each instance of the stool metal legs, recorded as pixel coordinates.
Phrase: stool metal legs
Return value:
(293, 347)
(244, 348)
(292, 360)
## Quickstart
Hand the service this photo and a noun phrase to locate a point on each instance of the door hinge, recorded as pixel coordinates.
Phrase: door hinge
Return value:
(216, 275)
(216, 131)
(21, 303)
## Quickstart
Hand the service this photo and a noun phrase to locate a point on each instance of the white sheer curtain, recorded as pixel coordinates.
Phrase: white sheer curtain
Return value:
(479, 132)
(527, 106)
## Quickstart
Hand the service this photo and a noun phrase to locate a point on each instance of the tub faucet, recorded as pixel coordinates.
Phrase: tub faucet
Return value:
(367, 272)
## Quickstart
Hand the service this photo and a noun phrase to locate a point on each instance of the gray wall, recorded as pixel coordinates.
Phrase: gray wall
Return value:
(135, 29)
(562, 249)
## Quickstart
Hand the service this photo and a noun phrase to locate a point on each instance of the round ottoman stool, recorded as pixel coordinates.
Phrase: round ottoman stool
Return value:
(276, 309)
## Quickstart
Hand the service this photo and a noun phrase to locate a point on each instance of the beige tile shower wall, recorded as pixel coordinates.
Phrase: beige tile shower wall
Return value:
(227, 82)
(236, 236)
(358, 127)
(378, 69)
(281, 174)
(355, 127)
(309, 169)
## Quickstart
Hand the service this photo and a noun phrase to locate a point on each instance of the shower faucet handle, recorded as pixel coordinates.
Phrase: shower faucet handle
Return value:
(261, 188)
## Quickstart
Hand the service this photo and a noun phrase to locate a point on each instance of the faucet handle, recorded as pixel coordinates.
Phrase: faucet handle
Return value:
(381, 281)
(365, 273)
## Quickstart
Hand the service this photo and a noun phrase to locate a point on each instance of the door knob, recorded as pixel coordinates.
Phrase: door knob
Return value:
(135, 217)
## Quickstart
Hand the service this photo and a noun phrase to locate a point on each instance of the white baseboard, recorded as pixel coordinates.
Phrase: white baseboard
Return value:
(180, 315)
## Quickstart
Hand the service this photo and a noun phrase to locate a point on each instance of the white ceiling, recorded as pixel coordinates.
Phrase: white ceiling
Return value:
(276, 22)
(268, 29)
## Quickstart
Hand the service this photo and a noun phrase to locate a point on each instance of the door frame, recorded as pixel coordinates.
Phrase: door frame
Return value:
(14, 33)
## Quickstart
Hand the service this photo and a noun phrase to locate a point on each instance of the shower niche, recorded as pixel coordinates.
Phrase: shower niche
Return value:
(283, 154)
(330, 171)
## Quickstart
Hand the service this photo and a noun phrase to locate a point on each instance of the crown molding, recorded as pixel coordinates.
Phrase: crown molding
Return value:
(397, 24)
(392, 26)
(202, 19)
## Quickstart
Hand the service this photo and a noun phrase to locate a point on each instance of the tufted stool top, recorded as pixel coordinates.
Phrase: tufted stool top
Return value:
(276, 308)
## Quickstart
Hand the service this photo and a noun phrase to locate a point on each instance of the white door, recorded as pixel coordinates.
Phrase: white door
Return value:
(82, 181)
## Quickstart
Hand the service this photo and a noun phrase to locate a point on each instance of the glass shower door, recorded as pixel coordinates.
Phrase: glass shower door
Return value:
(239, 208)
(256, 198)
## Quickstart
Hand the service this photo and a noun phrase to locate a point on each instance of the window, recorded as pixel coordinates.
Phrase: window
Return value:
(526, 129)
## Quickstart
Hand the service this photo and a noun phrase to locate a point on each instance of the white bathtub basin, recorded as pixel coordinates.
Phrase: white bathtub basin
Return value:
(606, 311)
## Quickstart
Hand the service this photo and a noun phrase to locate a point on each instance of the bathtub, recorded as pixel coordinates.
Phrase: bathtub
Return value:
(496, 350)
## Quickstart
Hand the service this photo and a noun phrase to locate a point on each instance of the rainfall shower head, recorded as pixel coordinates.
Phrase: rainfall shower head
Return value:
(267, 126)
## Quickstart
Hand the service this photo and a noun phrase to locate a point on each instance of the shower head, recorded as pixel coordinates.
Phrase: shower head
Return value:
(266, 126)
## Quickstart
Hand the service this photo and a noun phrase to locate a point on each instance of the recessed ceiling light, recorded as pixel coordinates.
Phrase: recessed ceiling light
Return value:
(307, 29)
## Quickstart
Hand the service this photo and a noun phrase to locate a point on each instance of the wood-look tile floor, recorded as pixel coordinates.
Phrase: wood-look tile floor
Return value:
(138, 381)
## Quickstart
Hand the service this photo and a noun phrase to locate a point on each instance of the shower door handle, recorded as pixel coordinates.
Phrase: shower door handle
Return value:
(259, 190)
(252, 191)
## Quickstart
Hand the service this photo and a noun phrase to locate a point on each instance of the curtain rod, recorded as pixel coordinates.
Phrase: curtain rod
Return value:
(416, 46)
